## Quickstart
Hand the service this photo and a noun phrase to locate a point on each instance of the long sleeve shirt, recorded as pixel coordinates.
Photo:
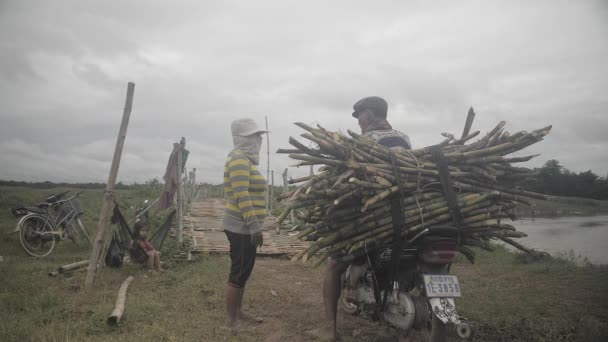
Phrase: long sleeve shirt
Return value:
(244, 189)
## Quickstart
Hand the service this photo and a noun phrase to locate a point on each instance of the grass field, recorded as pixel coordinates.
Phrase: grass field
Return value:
(508, 298)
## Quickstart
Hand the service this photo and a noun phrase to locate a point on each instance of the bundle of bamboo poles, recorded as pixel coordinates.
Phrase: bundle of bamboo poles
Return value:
(345, 208)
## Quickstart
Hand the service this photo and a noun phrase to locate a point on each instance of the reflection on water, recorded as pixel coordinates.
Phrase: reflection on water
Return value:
(585, 235)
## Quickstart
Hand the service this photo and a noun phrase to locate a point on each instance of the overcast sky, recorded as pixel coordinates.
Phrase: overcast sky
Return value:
(198, 65)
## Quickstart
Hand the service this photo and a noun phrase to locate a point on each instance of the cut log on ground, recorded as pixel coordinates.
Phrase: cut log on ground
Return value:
(119, 309)
(73, 266)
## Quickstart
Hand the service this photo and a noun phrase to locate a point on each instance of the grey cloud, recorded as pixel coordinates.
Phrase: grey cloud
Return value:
(197, 66)
(94, 75)
(15, 67)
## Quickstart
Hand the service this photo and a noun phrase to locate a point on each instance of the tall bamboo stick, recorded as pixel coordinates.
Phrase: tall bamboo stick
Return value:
(180, 191)
(101, 237)
(468, 123)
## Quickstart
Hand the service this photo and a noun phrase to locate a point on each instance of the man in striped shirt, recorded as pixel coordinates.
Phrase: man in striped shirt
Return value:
(245, 210)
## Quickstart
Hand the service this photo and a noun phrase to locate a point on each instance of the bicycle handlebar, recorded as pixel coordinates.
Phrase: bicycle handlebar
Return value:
(62, 194)
(43, 205)
(75, 195)
(46, 204)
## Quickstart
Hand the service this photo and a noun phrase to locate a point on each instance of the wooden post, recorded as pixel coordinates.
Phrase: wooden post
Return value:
(194, 187)
(186, 189)
(189, 192)
(271, 189)
(285, 186)
(180, 192)
(99, 246)
(191, 185)
(285, 189)
(267, 168)
(468, 123)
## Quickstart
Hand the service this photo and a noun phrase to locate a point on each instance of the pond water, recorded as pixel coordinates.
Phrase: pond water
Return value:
(584, 235)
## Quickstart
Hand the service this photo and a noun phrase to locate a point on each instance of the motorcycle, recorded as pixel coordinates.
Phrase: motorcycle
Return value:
(421, 294)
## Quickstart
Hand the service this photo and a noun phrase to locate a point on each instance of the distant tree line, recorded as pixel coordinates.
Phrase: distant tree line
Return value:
(51, 185)
(554, 179)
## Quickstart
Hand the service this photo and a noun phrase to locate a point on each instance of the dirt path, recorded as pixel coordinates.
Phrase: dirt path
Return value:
(286, 294)
(297, 306)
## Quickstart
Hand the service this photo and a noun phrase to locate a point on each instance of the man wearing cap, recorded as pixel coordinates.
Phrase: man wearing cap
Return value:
(245, 210)
(371, 113)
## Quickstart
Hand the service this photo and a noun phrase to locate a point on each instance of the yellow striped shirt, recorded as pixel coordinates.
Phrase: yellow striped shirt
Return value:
(244, 188)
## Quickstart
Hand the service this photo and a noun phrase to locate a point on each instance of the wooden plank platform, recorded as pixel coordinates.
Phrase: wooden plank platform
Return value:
(204, 225)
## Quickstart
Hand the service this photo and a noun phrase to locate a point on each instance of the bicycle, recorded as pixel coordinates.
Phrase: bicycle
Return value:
(54, 219)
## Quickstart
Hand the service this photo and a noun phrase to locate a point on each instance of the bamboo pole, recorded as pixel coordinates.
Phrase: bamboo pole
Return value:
(519, 246)
(186, 189)
(469, 123)
(292, 219)
(189, 192)
(119, 308)
(267, 168)
(285, 186)
(73, 266)
(99, 244)
(194, 187)
(180, 192)
(271, 189)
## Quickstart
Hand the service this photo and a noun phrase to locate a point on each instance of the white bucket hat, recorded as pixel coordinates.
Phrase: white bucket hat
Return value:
(245, 127)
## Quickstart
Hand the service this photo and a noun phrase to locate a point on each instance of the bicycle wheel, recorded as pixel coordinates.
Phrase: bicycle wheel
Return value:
(36, 236)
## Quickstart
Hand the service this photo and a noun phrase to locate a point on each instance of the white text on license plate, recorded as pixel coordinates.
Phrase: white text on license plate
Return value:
(441, 286)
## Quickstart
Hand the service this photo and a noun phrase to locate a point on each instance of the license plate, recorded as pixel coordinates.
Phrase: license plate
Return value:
(441, 286)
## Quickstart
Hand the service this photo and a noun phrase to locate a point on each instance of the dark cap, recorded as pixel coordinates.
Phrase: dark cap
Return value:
(374, 103)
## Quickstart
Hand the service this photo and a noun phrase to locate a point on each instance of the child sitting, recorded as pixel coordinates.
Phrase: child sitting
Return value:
(141, 241)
